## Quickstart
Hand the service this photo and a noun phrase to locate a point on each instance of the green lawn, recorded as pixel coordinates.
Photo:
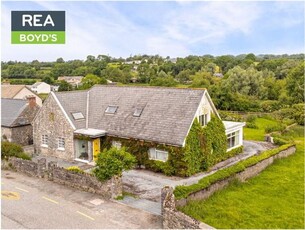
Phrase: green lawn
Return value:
(258, 134)
(274, 199)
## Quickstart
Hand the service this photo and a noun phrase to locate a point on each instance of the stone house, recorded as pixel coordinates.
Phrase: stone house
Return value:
(19, 92)
(74, 125)
(41, 87)
(16, 118)
(73, 80)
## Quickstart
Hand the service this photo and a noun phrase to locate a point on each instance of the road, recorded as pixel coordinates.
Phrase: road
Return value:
(28, 202)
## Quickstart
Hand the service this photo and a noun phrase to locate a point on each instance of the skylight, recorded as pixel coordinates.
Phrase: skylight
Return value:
(137, 112)
(78, 116)
(111, 109)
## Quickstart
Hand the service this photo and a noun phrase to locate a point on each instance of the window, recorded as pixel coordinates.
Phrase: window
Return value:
(111, 109)
(78, 116)
(116, 144)
(203, 119)
(61, 143)
(155, 154)
(232, 139)
(44, 140)
(137, 112)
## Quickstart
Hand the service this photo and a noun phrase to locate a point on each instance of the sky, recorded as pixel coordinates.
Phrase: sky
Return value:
(166, 28)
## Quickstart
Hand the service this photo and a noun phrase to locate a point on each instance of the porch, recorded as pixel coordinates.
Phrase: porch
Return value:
(87, 144)
(234, 132)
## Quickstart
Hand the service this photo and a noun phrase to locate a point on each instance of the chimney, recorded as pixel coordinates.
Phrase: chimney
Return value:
(31, 101)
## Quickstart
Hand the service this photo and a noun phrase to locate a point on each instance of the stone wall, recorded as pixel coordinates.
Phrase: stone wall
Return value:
(174, 219)
(51, 121)
(82, 181)
(242, 176)
(108, 189)
(22, 135)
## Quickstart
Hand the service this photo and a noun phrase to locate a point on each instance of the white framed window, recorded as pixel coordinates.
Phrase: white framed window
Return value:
(44, 140)
(61, 143)
(203, 119)
(111, 109)
(116, 144)
(232, 139)
(156, 154)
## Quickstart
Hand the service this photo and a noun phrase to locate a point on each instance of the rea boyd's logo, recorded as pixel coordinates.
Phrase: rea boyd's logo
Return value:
(38, 27)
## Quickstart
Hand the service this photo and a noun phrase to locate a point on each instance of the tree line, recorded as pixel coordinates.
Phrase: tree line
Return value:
(245, 82)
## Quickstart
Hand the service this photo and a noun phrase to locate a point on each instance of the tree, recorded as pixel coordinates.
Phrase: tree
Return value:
(163, 81)
(112, 162)
(48, 80)
(60, 60)
(248, 81)
(90, 80)
(295, 84)
(65, 86)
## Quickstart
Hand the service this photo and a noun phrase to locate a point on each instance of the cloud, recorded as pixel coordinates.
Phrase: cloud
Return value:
(211, 22)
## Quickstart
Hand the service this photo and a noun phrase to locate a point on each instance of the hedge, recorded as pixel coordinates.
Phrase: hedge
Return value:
(182, 191)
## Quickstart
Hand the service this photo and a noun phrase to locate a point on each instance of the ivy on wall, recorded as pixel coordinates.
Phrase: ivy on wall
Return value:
(204, 147)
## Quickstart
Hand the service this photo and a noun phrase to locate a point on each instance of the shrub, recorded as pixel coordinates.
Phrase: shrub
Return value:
(9, 149)
(112, 162)
(270, 106)
(251, 125)
(251, 118)
(75, 169)
(235, 151)
(273, 128)
(280, 141)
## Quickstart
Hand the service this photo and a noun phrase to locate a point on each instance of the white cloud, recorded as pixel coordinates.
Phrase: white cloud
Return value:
(211, 22)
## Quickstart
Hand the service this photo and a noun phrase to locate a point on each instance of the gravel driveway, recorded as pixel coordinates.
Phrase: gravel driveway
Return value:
(147, 184)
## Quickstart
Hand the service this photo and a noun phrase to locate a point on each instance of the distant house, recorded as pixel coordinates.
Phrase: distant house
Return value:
(54, 88)
(19, 92)
(16, 118)
(41, 87)
(75, 125)
(218, 75)
(73, 80)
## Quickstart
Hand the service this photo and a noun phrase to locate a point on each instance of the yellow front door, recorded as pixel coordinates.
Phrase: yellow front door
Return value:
(96, 148)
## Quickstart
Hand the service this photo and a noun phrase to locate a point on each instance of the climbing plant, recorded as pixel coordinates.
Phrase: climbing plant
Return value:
(204, 146)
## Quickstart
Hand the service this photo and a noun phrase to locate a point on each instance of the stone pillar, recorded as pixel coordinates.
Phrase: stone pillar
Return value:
(51, 166)
(116, 186)
(41, 167)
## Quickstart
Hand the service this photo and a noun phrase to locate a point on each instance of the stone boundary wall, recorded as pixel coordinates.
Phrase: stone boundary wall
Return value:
(82, 181)
(249, 172)
(174, 219)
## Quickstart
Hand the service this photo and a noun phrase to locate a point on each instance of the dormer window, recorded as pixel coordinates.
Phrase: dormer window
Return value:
(137, 112)
(78, 116)
(111, 109)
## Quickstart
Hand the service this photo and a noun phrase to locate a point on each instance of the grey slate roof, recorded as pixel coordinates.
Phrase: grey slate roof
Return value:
(166, 117)
(11, 109)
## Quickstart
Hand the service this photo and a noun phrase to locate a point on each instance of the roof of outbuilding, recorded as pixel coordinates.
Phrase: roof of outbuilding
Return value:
(16, 112)
(166, 117)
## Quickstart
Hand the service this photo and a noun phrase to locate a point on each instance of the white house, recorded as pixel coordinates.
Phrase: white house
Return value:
(41, 87)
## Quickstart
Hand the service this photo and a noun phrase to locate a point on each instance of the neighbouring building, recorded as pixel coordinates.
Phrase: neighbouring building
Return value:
(19, 92)
(41, 87)
(73, 80)
(16, 118)
(76, 125)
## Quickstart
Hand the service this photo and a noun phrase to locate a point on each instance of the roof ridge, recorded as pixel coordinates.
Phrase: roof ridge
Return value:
(148, 86)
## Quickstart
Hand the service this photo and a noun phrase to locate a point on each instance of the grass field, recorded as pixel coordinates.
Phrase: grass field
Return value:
(258, 134)
(274, 199)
